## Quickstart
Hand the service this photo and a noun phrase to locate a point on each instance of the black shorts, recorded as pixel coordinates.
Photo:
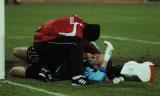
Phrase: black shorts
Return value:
(32, 56)
(61, 72)
(51, 54)
(33, 70)
(33, 59)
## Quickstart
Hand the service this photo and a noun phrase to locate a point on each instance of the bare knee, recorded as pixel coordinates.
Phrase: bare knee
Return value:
(15, 51)
(20, 52)
(18, 71)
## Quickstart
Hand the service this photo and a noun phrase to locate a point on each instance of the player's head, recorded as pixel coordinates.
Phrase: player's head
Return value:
(91, 32)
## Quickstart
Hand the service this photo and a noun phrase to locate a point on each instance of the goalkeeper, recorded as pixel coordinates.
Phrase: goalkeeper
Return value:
(94, 62)
(98, 64)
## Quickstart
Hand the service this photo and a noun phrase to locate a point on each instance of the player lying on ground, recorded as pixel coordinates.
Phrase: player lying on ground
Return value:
(130, 71)
(95, 66)
(93, 62)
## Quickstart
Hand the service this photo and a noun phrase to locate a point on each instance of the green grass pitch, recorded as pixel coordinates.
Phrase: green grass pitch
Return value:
(132, 21)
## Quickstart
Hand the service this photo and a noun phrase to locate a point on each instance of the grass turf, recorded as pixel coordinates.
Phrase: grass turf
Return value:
(134, 21)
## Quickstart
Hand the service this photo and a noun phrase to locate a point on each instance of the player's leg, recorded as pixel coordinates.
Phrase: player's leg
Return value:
(76, 58)
(58, 50)
(18, 71)
(27, 54)
(107, 66)
(113, 71)
(75, 62)
(20, 52)
(53, 56)
(30, 71)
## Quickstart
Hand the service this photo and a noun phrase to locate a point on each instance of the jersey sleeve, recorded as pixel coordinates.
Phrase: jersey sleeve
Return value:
(94, 75)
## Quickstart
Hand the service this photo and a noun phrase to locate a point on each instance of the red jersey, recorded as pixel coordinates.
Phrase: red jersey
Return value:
(64, 26)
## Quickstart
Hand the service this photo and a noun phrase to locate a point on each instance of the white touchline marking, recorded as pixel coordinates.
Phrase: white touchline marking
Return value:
(133, 40)
(33, 88)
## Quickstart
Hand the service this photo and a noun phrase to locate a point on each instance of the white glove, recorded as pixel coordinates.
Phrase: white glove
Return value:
(108, 51)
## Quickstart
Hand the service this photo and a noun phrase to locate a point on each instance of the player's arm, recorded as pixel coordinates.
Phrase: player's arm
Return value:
(99, 74)
(107, 56)
(95, 59)
(94, 75)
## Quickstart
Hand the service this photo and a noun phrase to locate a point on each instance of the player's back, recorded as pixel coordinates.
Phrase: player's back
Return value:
(63, 26)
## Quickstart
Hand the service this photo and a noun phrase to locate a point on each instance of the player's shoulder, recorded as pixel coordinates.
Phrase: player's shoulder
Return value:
(65, 17)
(69, 19)
(76, 18)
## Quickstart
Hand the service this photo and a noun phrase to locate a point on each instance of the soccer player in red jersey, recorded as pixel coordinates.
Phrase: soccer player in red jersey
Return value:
(61, 40)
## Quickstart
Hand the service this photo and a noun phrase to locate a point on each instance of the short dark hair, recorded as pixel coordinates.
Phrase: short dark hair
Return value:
(91, 32)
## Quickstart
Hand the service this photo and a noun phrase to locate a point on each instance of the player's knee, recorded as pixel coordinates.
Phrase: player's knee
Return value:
(12, 71)
(20, 52)
(17, 71)
(15, 51)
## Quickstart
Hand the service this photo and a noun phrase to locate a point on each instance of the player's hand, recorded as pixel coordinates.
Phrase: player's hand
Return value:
(93, 59)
